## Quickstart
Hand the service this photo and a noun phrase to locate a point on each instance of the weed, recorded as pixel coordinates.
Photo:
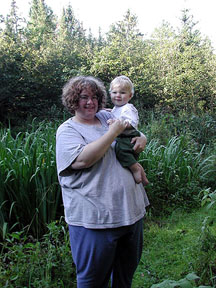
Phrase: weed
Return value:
(26, 262)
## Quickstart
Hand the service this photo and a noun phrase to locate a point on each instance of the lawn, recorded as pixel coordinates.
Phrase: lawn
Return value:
(177, 245)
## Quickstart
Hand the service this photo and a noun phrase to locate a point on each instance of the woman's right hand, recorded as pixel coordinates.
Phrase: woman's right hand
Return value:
(117, 126)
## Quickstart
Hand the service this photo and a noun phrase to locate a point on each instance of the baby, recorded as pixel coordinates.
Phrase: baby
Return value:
(121, 91)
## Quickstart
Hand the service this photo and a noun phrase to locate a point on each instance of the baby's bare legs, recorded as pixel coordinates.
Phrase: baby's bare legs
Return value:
(139, 174)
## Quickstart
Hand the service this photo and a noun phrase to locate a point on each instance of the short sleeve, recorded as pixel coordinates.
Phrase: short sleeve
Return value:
(130, 113)
(69, 144)
(104, 115)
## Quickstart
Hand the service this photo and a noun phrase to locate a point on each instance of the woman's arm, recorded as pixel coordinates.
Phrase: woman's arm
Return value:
(94, 151)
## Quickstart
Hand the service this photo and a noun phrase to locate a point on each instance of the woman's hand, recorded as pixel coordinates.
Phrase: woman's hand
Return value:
(140, 143)
(117, 126)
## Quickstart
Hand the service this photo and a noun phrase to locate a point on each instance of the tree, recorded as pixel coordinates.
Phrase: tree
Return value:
(121, 50)
(41, 25)
(70, 44)
(195, 75)
(10, 58)
(173, 70)
(180, 68)
(125, 52)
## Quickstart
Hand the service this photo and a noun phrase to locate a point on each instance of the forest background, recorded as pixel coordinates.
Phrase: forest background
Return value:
(174, 70)
(174, 76)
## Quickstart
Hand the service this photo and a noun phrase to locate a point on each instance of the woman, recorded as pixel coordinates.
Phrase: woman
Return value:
(104, 207)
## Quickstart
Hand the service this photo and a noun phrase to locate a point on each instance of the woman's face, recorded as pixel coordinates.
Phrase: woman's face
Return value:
(87, 105)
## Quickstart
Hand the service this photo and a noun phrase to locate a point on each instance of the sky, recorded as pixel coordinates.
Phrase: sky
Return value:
(102, 13)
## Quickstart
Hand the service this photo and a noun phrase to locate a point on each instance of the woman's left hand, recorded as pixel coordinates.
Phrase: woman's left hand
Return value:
(140, 143)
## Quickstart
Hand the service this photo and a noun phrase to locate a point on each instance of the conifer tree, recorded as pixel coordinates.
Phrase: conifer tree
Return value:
(11, 46)
(13, 24)
(41, 25)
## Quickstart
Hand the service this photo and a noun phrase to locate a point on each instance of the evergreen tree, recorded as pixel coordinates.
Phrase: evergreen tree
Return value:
(187, 34)
(70, 29)
(180, 76)
(11, 47)
(41, 25)
(121, 52)
(75, 48)
(195, 73)
(13, 24)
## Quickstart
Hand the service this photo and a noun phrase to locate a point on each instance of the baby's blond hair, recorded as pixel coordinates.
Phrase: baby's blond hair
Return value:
(124, 81)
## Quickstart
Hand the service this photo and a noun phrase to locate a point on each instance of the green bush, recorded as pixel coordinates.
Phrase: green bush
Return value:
(27, 262)
(200, 129)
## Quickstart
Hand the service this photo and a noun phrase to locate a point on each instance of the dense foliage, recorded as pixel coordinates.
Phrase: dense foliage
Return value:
(174, 74)
(172, 69)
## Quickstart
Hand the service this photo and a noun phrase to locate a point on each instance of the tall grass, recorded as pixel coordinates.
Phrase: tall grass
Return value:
(29, 191)
(177, 172)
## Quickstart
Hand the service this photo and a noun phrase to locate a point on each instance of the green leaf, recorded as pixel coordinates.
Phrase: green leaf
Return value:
(184, 283)
(192, 277)
(166, 284)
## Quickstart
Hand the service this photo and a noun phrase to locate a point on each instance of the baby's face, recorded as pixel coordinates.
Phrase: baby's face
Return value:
(120, 95)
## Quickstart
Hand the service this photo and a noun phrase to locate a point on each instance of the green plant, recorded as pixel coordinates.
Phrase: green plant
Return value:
(26, 262)
(208, 198)
(30, 194)
(206, 242)
(176, 172)
(188, 282)
(200, 129)
(172, 249)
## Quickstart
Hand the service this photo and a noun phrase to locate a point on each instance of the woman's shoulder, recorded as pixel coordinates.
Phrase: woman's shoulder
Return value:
(65, 126)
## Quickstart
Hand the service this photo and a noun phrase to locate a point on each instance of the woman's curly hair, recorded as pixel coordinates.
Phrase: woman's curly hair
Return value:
(73, 88)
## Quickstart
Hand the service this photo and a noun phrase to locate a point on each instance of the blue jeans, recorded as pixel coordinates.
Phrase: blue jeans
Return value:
(103, 253)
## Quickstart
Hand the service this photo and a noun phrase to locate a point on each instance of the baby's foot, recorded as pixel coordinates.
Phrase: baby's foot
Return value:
(139, 174)
(144, 179)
